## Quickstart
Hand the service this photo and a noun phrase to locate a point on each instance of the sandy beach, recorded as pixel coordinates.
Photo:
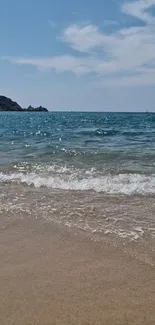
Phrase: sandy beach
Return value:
(50, 275)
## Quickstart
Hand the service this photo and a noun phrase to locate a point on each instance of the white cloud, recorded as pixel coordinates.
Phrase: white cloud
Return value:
(63, 63)
(139, 9)
(120, 58)
(83, 38)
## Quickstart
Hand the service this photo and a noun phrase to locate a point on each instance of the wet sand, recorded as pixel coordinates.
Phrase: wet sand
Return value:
(51, 276)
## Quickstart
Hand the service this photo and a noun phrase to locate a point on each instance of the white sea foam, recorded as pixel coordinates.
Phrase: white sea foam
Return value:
(111, 184)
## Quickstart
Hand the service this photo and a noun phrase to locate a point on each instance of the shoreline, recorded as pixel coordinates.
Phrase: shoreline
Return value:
(50, 276)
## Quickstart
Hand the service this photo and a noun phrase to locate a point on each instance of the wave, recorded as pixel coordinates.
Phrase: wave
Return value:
(127, 184)
(114, 132)
(97, 132)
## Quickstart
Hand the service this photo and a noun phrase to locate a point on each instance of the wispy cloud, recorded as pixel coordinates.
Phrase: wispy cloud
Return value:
(124, 57)
(63, 63)
(139, 9)
(52, 23)
(109, 22)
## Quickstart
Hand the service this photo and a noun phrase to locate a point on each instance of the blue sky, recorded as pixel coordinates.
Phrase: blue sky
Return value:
(79, 55)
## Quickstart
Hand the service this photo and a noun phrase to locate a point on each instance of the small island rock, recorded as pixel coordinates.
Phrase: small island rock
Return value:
(7, 105)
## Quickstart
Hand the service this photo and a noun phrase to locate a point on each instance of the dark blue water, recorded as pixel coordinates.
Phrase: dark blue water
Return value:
(113, 153)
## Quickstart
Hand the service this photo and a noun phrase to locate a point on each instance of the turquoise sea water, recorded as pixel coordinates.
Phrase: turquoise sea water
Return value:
(79, 150)
(82, 156)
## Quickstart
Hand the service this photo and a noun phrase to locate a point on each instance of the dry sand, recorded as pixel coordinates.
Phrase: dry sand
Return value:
(50, 276)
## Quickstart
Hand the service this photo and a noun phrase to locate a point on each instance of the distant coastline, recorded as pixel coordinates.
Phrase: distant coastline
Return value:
(7, 105)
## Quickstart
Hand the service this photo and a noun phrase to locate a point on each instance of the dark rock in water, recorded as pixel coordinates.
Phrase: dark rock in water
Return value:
(37, 109)
(7, 105)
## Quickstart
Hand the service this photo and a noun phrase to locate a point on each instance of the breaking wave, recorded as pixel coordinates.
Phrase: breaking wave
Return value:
(127, 184)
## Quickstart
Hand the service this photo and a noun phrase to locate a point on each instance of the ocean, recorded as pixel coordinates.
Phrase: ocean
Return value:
(93, 172)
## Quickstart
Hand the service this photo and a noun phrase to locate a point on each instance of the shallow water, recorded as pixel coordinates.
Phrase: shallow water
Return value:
(94, 171)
